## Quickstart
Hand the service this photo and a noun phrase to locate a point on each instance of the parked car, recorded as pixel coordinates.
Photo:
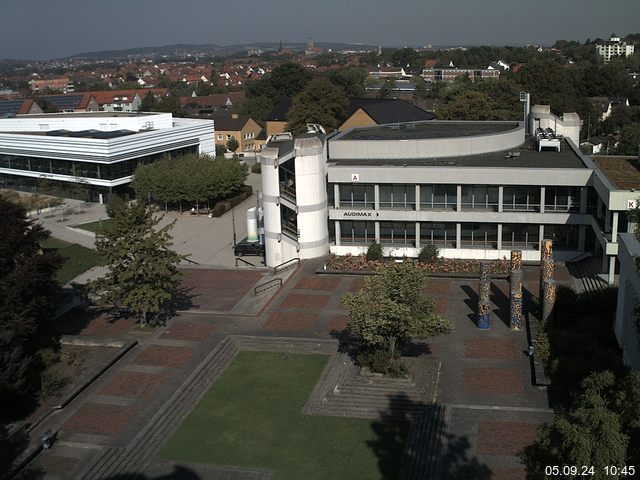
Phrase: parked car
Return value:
(248, 248)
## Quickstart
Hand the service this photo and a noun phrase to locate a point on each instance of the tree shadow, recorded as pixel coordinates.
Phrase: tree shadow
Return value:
(413, 442)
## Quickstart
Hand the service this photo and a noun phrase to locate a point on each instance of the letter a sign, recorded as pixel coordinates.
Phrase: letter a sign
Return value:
(355, 177)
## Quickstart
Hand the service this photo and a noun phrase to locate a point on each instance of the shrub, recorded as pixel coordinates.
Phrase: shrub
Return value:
(218, 209)
(374, 253)
(428, 254)
(257, 168)
(377, 360)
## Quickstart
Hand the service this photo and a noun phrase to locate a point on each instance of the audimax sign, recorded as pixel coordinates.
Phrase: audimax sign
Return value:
(360, 214)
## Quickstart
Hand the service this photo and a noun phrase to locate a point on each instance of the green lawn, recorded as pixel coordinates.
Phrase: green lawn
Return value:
(95, 226)
(252, 417)
(77, 259)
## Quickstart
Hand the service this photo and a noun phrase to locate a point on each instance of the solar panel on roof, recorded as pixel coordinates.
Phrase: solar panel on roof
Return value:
(10, 106)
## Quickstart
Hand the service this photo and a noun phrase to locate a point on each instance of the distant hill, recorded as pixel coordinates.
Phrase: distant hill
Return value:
(206, 49)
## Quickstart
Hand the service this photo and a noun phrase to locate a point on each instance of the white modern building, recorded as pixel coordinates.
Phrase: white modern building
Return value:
(474, 189)
(614, 48)
(625, 326)
(93, 153)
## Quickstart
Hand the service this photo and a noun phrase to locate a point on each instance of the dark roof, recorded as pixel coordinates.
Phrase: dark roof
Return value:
(98, 134)
(389, 110)
(68, 101)
(622, 171)
(15, 107)
(529, 158)
(427, 130)
(262, 135)
(279, 112)
(229, 123)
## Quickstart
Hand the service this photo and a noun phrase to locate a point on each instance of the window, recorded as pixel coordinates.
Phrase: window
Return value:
(443, 234)
(398, 196)
(521, 198)
(562, 199)
(442, 197)
(479, 197)
(398, 233)
(565, 237)
(220, 137)
(479, 235)
(357, 233)
(520, 235)
(357, 195)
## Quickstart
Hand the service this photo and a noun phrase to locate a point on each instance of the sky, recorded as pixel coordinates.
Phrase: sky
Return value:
(45, 29)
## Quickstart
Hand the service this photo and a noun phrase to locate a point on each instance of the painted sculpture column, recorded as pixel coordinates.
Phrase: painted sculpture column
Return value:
(549, 300)
(516, 260)
(484, 294)
(515, 297)
(546, 265)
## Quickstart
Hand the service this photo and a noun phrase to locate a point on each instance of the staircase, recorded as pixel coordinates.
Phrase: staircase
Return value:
(586, 272)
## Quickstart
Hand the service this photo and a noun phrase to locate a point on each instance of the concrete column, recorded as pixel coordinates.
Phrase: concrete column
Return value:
(582, 233)
(540, 236)
(607, 220)
(378, 231)
(500, 198)
(417, 234)
(612, 270)
(338, 232)
(614, 227)
(458, 235)
(583, 200)
(542, 195)
(376, 201)
(336, 195)
(417, 200)
(499, 236)
(458, 198)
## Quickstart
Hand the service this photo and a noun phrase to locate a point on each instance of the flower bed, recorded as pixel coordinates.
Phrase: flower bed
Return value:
(359, 263)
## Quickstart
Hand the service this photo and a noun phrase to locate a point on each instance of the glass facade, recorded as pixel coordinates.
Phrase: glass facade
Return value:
(520, 236)
(90, 170)
(479, 235)
(442, 234)
(398, 233)
(443, 197)
(356, 195)
(565, 237)
(480, 197)
(521, 198)
(357, 233)
(397, 196)
(562, 199)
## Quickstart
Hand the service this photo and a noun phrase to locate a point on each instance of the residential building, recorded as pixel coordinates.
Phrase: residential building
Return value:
(276, 119)
(614, 48)
(607, 104)
(473, 189)
(92, 155)
(389, 72)
(210, 104)
(62, 84)
(241, 127)
(19, 106)
(72, 103)
(125, 100)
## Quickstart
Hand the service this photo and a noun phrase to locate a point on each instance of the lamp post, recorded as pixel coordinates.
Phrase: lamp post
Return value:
(233, 224)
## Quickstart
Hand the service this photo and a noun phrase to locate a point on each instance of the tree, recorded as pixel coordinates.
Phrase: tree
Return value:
(28, 291)
(149, 103)
(387, 89)
(468, 105)
(220, 150)
(630, 141)
(351, 79)
(232, 144)
(374, 252)
(391, 309)
(320, 102)
(143, 277)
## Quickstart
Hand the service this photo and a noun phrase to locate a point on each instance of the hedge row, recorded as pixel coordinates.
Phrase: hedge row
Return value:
(224, 206)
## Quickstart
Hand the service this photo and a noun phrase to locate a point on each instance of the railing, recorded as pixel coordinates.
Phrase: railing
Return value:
(286, 265)
(274, 282)
(191, 261)
(238, 259)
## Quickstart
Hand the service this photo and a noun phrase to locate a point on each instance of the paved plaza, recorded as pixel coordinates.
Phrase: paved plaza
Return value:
(482, 379)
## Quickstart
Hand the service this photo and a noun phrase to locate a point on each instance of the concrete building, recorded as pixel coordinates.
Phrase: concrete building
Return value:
(449, 74)
(628, 300)
(92, 155)
(62, 84)
(474, 189)
(614, 48)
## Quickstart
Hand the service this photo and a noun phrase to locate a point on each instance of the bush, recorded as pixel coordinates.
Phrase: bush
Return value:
(257, 168)
(377, 360)
(374, 253)
(218, 209)
(428, 254)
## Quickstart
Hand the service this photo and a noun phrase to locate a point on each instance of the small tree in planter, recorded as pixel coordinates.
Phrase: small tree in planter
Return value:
(374, 253)
(428, 254)
(387, 312)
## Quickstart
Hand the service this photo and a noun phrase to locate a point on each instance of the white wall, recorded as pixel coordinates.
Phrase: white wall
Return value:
(628, 297)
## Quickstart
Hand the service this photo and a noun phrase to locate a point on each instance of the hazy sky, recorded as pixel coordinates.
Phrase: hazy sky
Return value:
(44, 29)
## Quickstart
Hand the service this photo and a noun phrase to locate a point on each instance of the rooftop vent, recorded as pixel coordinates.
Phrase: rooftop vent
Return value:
(280, 136)
(512, 155)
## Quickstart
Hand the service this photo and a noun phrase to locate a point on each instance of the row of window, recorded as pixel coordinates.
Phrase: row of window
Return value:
(445, 197)
(91, 170)
(444, 234)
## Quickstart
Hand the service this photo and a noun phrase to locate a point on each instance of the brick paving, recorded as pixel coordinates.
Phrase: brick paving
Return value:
(93, 323)
(298, 300)
(493, 380)
(99, 419)
(217, 289)
(133, 385)
(318, 283)
(504, 438)
(499, 348)
(164, 356)
(188, 331)
(337, 323)
(291, 321)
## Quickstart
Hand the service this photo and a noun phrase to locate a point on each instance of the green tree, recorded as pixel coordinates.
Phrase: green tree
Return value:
(320, 102)
(374, 252)
(387, 89)
(149, 103)
(28, 291)
(391, 309)
(220, 150)
(630, 142)
(467, 105)
(142, 276)
(351, 79)
(232, 144)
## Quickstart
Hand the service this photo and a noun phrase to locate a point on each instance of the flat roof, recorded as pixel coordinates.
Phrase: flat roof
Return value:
(427, 130)
(622, 171)
(528, 158)
(92, 133)
(86, 114)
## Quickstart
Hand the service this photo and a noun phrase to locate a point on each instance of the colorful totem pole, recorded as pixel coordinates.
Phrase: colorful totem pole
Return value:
(516, 260)
(546, 265)
(484, 294)
(549, 300)
(515, 296)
